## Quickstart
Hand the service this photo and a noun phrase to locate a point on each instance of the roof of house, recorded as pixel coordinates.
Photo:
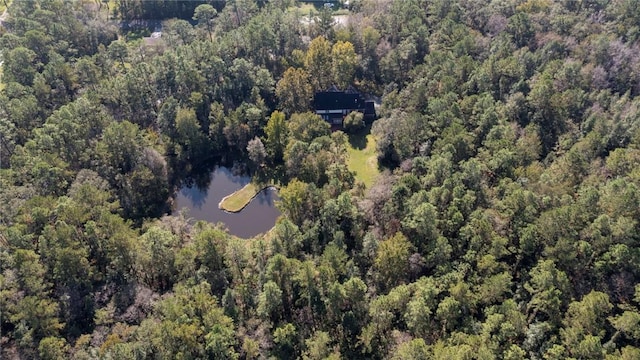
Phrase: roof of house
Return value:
(369, 108)
(349, 99)
(333, 100)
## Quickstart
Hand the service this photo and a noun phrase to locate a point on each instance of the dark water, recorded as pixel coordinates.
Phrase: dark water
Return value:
(258, 217)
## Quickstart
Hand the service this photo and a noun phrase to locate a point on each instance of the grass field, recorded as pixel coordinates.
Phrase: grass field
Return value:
(362, 156)
(239, 199)
(268, 177)
(304, 8)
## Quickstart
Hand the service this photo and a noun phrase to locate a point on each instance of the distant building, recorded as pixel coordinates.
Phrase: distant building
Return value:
(153, 40)
(333, 105)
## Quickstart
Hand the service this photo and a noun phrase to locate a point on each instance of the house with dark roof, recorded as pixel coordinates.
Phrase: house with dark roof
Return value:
(333, 105)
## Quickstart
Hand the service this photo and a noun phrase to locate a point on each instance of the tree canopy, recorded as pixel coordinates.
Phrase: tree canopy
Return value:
(504, 223)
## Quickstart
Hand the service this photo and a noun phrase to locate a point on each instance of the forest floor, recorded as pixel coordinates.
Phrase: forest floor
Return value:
(362, 156)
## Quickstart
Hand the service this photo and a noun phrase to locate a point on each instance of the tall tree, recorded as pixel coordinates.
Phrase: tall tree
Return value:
(318, 62)
(276, 133)
(294, 91)
(392, 261)
(204, 15)
(343, 63)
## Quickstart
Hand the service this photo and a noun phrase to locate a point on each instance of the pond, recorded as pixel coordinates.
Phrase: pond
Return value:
(257, 217)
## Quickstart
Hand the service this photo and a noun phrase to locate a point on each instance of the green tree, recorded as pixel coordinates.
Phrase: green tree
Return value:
(119, 148)
(548, 287)
(193, 142)
(319, 347)
(396, 64)
(318, 62)
(307, 126)
(53, 348)
(190, 324)
(19, 66)
(281, 271)
(177, 32)
(287, 238)
(324, 22)
(34, 314)
(343, 63)
(155, 265)
(354, 121)
(294, 91)
(584, 325)
(118, 51)
(276, 133)
(285, 339)
(309, 294)
(521, 29)
(270, 302)
(392, 261)
(204, 15)
(628, 324)
(415, 349)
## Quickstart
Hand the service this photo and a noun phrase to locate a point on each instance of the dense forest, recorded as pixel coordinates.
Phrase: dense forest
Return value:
(504, 224)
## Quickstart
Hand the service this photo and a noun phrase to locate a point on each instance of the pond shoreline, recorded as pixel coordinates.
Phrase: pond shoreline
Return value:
(201, 197)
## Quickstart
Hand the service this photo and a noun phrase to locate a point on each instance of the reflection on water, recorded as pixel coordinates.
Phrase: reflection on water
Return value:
(258, 217)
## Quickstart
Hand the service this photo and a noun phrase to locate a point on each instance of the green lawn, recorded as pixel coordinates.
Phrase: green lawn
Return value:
(363, 159)
(239, 199)
(304, 8)
(265, 178)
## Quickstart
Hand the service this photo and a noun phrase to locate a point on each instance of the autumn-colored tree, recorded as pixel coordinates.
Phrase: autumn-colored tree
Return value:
(392, 261)
(276, 133)
(294, 91)
(318, 62)
(343, 63)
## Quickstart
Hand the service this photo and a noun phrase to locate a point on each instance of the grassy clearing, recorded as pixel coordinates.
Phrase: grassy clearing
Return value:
(239, 199)
(363, 159)
(304, 9)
